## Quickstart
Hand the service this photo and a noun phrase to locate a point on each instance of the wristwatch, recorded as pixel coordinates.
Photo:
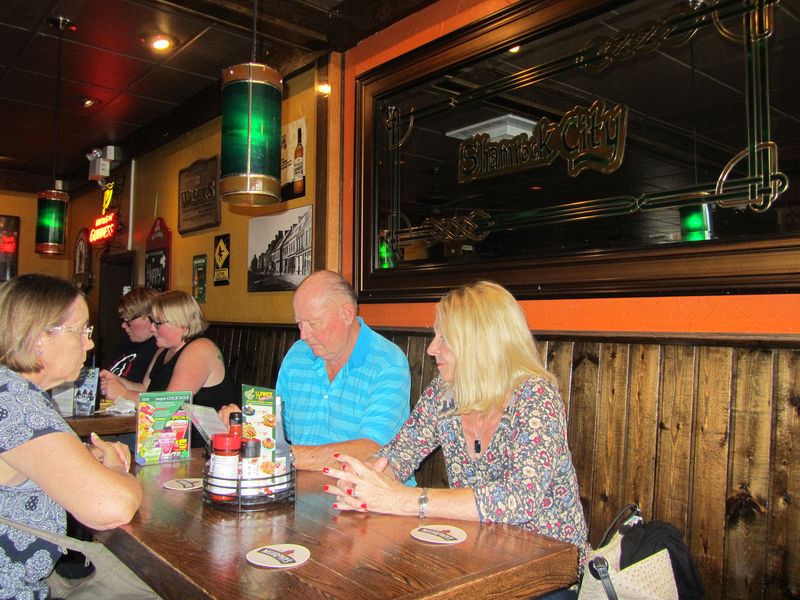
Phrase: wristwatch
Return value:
(423, 502)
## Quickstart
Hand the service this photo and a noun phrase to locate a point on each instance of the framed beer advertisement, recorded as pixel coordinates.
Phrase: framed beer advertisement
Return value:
(9, 246)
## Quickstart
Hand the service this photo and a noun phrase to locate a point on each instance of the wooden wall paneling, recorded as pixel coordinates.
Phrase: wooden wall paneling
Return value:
(748, 485)
(581, 425)
(611, 419)
(557, 356)
(673, 456)
(706, 527)
(783, 566)
(638, 484)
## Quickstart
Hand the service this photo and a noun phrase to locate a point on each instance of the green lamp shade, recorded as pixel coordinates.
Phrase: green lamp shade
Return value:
(695, 223)
(51, 222)
(250, 162)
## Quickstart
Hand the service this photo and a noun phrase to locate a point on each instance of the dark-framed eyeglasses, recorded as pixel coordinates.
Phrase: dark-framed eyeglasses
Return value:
(156, 324)
(128, 321)
(84, 331)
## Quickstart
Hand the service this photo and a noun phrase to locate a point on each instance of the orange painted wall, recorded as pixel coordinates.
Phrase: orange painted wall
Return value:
(751, 314)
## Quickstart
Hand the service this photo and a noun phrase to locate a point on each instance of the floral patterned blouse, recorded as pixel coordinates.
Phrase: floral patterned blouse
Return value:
(26, 412)
(525, 477)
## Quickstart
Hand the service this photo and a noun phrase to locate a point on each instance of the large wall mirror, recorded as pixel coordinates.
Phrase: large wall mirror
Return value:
(586, 148)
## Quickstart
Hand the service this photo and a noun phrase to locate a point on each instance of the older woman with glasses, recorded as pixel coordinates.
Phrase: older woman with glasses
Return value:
(45, 470)
(185, 361)
(133, 357)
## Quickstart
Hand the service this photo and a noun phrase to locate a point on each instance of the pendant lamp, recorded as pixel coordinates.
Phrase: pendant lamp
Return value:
(250, 163)
(51, 205)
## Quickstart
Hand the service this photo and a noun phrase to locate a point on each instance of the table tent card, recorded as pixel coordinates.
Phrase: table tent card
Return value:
(261, 407)
(163, 428)
(79, 397)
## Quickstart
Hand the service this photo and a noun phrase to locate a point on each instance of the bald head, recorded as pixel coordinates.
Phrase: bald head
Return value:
(326, 287)
(325, 311)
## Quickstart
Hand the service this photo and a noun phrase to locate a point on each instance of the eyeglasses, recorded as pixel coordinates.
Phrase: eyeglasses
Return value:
(128, 321)
(156, 324)
(84, 331)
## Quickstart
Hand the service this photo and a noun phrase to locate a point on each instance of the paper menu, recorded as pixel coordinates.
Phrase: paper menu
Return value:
(163, 428)
(260, 422)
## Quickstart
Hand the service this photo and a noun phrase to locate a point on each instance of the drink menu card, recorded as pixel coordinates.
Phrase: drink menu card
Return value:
(162, 428)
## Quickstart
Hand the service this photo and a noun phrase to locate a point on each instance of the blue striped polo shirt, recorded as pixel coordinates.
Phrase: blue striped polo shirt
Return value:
(368, 398)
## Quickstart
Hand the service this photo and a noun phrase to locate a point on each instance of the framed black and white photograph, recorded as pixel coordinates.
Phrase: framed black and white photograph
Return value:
(9, 246)
(279, 250)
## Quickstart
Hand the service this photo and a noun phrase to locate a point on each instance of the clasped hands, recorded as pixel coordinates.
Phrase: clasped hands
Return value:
(110, 454)
(365, 487)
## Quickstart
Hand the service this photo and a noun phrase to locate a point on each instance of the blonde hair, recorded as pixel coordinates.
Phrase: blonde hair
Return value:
(181, 309)
(493, 348)
(136, 303)
(29, 306)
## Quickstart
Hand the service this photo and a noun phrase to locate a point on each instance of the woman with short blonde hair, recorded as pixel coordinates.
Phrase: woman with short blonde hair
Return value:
(186, 361)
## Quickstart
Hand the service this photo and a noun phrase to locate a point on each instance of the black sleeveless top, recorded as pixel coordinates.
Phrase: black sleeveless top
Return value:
(215, 396)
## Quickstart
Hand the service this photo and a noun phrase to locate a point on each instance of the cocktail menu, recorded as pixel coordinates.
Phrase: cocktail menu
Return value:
(163, 428)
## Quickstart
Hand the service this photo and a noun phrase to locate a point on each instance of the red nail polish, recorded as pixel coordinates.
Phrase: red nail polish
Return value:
(336, 455)
(349, 492)
(335, 505)
(325, 469)
(326, 488)
(364, 506)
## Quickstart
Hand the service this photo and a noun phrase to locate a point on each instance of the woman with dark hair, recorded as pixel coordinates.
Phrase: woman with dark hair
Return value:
(45, 470)
(132, 358)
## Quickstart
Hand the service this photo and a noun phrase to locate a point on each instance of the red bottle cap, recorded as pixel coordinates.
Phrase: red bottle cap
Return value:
(224, 441)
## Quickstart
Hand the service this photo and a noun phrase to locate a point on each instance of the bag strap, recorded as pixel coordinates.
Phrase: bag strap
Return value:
(631, 510)
(598, 567)
(62, 541)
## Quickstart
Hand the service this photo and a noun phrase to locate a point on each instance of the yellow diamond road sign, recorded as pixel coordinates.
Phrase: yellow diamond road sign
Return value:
(221, 253)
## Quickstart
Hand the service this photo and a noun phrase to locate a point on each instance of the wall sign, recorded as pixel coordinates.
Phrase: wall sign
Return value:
(199, 270)
(9, 246)
(82, 261)
(222, 259)
(198, 195)
(157, 256)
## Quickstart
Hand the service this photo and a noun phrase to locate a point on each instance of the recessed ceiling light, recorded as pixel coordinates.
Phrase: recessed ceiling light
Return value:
(514, 49)
(159, 42)
(87, 102)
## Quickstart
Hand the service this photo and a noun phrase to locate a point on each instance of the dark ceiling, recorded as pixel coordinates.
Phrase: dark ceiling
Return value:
(145, 99)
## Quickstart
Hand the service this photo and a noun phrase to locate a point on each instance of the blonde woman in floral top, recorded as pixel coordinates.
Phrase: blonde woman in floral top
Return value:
(499, 419)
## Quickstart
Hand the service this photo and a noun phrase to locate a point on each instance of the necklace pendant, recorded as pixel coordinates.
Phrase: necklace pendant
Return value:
(476, 446)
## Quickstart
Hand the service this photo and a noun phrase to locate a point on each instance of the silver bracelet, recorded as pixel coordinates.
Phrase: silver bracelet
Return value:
(423, 502)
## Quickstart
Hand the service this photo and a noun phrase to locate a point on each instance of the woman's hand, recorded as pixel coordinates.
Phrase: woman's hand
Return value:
(111, 385)
(225, 413)
(113, 455)
(369, 488)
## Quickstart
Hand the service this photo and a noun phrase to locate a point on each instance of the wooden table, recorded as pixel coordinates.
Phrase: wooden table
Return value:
(102, 424)
(185, 549)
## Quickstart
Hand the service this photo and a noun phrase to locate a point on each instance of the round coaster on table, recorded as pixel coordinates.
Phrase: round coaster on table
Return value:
(278, 556)
(184, 485)
(439, 534)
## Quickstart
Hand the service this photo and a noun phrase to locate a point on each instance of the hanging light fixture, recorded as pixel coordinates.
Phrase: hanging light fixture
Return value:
(250, 163)
(51, 205)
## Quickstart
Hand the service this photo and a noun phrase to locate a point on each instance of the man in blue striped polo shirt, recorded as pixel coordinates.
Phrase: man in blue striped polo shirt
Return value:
(344, 387)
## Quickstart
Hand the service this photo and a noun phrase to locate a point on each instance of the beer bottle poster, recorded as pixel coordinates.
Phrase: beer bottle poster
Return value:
(199, 269)
(157, 256)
